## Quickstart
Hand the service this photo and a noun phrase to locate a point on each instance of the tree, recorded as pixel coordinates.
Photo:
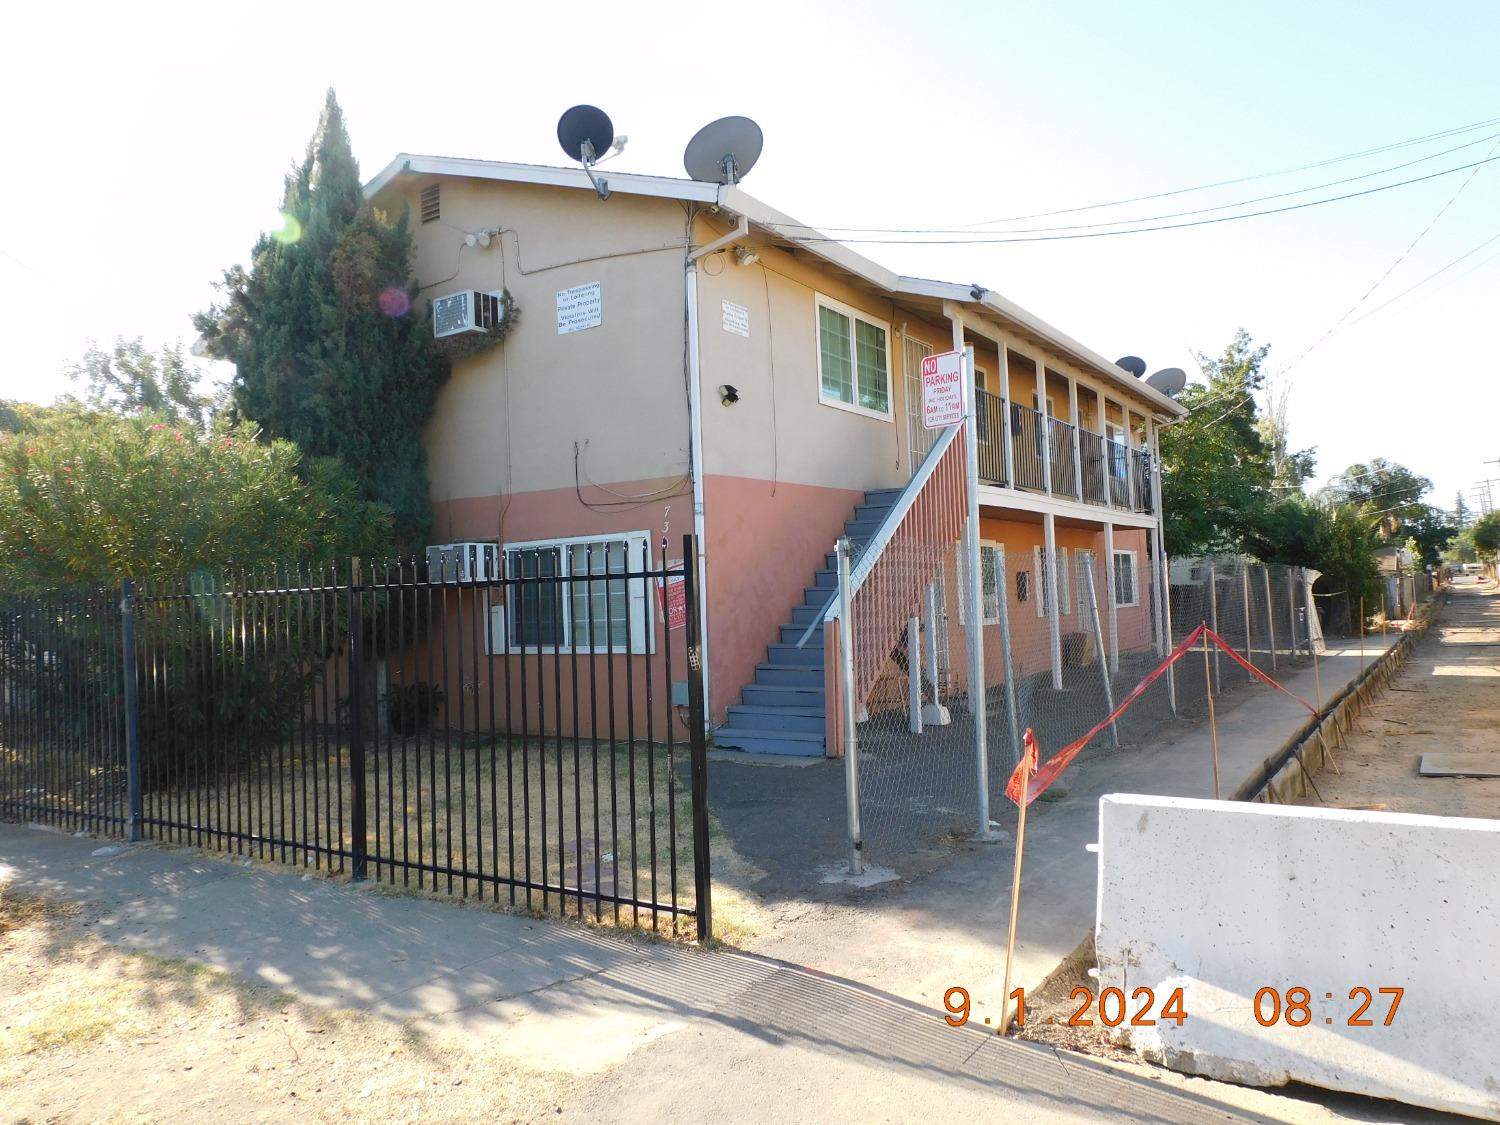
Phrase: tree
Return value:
(90, 497)
(130, 380)
(320, 327)
(1216, 469)
(1460, 511)
(1384, 488)
(1487, 536)
(1344, 549)
(1431, 532)
(1289, 469)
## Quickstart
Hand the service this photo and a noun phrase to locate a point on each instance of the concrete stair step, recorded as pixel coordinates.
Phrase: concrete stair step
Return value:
(886, 496)
(782, 695)
(800, 744)
(758, 717)
(788, 675)
(792, 634)
(805, 615)
(809, 657)
(860, 531)
(872, 511)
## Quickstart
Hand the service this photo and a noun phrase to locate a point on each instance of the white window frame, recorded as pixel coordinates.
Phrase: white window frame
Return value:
(820, 302)
(500, 640)
(1039, 581)
(997, 552)
(1135, 593)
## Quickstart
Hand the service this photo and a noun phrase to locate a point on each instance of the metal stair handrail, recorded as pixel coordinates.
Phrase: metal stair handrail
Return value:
(872, 551)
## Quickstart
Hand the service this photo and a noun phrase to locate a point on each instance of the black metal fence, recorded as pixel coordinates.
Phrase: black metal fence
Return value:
(526, 729)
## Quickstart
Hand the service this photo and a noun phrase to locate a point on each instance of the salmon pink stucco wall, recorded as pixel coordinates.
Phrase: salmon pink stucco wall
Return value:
(765, 541)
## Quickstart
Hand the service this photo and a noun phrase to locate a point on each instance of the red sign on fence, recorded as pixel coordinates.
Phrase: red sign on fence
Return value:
(671, 594)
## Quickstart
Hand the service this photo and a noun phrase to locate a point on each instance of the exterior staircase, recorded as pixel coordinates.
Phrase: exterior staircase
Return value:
(783, 711)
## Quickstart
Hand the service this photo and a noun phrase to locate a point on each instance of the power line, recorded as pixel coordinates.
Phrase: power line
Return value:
(1429, 277)
(806, 239)
(1152, 218)
(1443, 210)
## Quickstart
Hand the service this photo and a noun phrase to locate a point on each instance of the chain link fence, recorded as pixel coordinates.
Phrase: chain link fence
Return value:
(918, 767)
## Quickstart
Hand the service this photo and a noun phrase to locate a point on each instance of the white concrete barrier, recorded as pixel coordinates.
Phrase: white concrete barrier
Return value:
(1231, 902)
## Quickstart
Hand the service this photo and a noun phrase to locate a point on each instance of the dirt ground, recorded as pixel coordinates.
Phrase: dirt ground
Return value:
(1446, 699)
(88, 1033)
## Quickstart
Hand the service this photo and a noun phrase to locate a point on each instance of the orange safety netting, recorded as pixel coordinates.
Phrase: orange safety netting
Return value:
(1041, 777)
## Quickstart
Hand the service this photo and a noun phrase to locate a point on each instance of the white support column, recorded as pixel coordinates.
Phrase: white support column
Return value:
(1107, 459)
(1132, 474)
(1005, 431)
(1044, 424)
(1054, 619)
(1114, 597)
(931, 639)
(975, 631)
(1160, 574)
(1077, 459)
(914, 674)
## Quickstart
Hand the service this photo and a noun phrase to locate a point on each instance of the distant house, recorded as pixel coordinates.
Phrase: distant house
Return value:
(679, 314)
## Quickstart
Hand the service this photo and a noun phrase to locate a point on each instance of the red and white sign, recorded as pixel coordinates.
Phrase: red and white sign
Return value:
(671, 595)
(942, 390)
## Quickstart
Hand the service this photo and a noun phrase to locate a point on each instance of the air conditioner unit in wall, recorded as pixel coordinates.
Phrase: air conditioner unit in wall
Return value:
(468, 311)
(463, 562)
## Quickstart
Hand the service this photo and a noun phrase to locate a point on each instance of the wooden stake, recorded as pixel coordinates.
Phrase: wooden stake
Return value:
(1213, 726)
(1361, 635)
(1015, 891)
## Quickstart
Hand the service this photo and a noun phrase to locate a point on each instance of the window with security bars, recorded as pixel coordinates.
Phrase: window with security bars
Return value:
(854, 368)
(607, 613)
(1125, 591)
(991, 557)
(1039, 568)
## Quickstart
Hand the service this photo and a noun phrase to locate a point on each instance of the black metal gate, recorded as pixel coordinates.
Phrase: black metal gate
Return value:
(508, 728)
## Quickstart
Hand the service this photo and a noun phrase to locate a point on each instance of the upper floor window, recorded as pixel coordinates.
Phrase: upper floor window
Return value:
(854, 366)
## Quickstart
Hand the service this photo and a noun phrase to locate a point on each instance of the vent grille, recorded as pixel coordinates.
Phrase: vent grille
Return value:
(431, 203)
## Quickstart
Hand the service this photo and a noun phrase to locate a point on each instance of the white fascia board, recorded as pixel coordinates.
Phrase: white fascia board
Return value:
(960, 294)
(836, 253)
(664, 187)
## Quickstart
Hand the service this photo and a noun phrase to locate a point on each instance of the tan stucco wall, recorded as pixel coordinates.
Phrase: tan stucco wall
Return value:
(508, 419)
(780, 430)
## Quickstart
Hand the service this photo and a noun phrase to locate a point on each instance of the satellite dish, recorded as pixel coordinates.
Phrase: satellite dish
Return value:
(586, 133)
(723, 151)
(1169, 381)
(1133, 364)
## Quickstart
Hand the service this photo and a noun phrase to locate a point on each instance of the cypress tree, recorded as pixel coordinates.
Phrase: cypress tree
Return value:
(322, 328)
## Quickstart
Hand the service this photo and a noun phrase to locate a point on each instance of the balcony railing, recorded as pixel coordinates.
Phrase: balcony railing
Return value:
(991, 418)
(1026, 447)
(1091, 475)
(1117, 458)
(1099, 472)
(1142, 465)
(1064, 469)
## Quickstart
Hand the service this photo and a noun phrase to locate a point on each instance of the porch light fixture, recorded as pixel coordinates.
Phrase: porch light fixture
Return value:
(744, 256)
(729, 395)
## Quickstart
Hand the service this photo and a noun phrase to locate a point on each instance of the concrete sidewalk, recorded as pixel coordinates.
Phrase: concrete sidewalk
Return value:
(945, 927)
(701, 1035)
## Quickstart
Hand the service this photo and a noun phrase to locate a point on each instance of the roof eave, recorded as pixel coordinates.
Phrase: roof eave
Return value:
(624, 183)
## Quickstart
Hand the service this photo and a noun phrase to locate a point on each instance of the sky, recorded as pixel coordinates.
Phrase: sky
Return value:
(146, 144)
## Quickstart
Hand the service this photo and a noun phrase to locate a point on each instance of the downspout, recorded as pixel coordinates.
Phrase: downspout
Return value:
(695, 446)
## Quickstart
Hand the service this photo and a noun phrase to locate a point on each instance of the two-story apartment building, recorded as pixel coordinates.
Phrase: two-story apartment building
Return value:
(684, 356)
